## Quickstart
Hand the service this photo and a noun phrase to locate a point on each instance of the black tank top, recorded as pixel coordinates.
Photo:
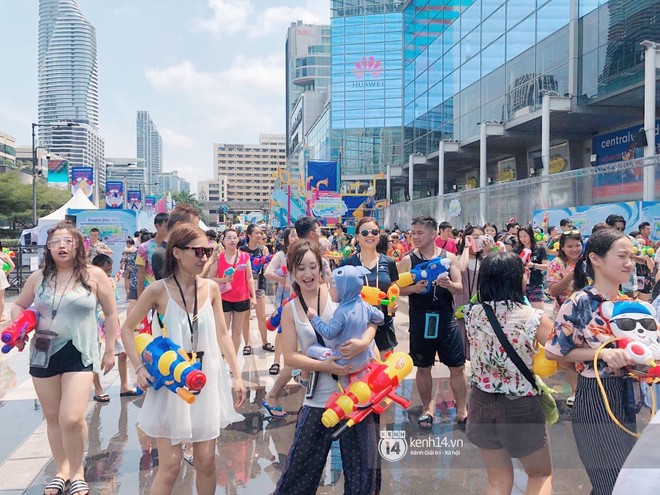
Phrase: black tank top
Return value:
(437, 299)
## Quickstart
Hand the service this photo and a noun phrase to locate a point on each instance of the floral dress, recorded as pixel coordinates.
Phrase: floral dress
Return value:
(557, 270)
(491, 369)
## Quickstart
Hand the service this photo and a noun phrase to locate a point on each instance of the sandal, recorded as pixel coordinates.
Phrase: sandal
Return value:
(247, 350)
(274, 369)
(425, 422)
(570, 401)
(277, 409)
(102, 398)
(58, 484)
(268, 347)
(79, 486)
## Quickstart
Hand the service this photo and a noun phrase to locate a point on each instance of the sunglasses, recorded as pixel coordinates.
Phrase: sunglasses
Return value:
(365, 232)
(571, 232)
(629, 324)
(200, 252)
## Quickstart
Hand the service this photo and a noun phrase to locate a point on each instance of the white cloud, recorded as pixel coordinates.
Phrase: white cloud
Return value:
(171, 138)
(237, 16)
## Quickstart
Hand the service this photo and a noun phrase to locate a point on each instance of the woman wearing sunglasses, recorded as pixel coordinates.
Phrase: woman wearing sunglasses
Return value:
(192, 318)
(383, 275)
(579, 330)
(237, 289)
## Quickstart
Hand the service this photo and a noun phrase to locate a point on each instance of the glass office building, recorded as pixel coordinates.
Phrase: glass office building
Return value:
(366, 82)
(472, 61)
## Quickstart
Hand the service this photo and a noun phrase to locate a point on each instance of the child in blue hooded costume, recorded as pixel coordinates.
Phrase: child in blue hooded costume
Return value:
(350, 319)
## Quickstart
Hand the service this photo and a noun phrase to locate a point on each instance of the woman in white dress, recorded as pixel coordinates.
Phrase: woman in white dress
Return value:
(193, 318)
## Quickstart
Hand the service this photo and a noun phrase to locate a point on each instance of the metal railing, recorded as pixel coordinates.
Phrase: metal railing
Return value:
(27, 260)
(610, 183)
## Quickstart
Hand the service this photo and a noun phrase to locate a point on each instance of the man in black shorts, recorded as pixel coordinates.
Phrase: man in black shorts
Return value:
(433, 328)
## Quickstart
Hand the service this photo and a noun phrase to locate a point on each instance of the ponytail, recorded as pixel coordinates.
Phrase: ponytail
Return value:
(581, 273)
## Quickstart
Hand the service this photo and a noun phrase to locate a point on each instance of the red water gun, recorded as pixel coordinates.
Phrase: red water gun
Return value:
(19, 329)
(260, 261)
(526, 256)
(276, 318)
(374, 392)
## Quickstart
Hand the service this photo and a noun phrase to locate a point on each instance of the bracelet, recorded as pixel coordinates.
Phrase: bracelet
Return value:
(139, 368)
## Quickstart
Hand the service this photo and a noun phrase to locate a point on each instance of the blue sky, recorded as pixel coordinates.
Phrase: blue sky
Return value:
(208, 71)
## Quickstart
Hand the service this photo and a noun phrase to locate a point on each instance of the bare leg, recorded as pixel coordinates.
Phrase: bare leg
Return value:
(245, 329)
(73, 408)
(169, 466)
(278, 350)
(538, 467)
(500, 471)
(425, 389)
(2, 305)
(282, 379)
(49, 392)
(458, 384)
(261, 319)
(98, 390)
(237, 324)
(204, 453)
(122, 367)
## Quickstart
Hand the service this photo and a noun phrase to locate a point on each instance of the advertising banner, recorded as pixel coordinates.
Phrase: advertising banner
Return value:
(134, 200)
(322, 175)
(82, 178)
(114, 195)
(150, 204)
(58, 171)
(329, 205)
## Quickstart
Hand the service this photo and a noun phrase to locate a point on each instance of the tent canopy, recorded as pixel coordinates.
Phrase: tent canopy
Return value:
(79, 201)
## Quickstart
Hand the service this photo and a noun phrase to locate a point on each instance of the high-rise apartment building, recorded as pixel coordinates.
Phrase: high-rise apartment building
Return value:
(149, 148)
(307, 69)
(69, 86)
(170, 182)
(248, 170)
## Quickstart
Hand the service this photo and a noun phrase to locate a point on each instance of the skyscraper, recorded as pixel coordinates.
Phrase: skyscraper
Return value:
(69, 85)
(149, 148)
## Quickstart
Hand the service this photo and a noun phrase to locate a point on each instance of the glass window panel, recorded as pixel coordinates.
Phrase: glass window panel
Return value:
(435, 96)
(489, 7)
(353, 124)
(493, 110)
(468, 124)
(354, 38)
(393, 36)
(586, 6)
(354, 29)
(493, 27)
(391, 122)
(393, 102)
(589, 70)
(354, 105)
(451, 60)
(450, 84)
(374, 37)
(394, 93)
(471, 97)
(337, 115)
(521, 68)
(552, 51)
(492, 85)
(470, 45)
(470, 17)
(352, 49)
(374, 93)
(470, 72)
(517, 10)
(589, 32)
(354, 114)
(520, 38)
(492, 57)
(409, 114)
(556, 80)
(552, 17)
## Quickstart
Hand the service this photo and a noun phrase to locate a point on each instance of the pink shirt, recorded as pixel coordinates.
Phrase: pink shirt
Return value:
(449, 245)
(239, 287)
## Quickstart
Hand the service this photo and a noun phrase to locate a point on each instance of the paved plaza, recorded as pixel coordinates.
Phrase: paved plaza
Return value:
(251, 454)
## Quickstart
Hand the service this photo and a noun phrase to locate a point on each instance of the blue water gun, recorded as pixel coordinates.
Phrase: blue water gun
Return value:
(428, 271)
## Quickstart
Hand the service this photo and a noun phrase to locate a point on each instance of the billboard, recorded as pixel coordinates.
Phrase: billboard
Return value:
(150, 204)
(58, 171)
(134, 200)
(114, 195)
(82, 178)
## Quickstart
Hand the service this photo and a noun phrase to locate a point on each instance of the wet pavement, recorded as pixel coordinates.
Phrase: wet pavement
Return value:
(251, 454)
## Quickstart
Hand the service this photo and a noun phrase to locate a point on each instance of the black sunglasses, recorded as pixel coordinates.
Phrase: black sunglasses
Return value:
(365, 232)
(200, 251)
(629, 324)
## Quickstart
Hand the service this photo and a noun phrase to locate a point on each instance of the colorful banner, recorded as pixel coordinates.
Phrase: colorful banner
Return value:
(133, 200)
(150, 204)
(58, 171)
(281, 205)
(322, 176)
(329, 205)
(114, 195)
(82, 178)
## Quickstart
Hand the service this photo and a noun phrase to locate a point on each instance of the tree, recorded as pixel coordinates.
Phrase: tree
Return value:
(16, 199)
(185, 197)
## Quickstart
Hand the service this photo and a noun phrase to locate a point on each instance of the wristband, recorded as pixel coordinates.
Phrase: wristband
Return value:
(139, 368)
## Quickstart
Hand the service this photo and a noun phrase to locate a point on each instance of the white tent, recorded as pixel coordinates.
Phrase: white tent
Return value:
(79, 201)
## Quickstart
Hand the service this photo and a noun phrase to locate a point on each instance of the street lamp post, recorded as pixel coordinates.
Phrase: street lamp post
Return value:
(34, 165)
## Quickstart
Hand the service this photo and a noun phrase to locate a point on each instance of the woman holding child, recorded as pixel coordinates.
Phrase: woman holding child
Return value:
(312, 441)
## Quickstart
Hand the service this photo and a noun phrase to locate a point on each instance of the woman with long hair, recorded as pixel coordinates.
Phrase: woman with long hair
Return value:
(312, 441)
(580, 328)
(239, 287)
(192, 318)
(505, 418)
(276, 271)
(537, 265)
(65, 347)
(255, 247)
(383, 275)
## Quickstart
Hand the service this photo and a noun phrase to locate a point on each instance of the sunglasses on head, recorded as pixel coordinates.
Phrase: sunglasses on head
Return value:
(200, 252)
(629, 324)
(365, 232)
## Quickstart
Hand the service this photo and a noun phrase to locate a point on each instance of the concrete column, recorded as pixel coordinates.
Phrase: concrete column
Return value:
(388, 181)
(545, 148)
(444, 147)
(650, 66)
(411, 165)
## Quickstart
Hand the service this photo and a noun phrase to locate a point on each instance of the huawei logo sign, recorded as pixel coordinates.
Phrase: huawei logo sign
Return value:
(368, 66)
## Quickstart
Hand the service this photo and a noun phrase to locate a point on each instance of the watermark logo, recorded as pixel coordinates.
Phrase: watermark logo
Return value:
(369, 66)
(392, 445)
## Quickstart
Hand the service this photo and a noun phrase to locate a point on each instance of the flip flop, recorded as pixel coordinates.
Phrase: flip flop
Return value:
(268, 347)
(247, 350)
(79, 486)
(425, 422)
(270, 410)
(58, 484)
(132, 393)
(274, 369)
(102, 398)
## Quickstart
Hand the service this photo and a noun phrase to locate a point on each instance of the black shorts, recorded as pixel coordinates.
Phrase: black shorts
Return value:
(448, 345)
(67, 360)
(132, 294)
(238, 307)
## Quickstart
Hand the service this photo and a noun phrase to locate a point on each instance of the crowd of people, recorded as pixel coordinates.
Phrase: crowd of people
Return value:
(200, 287)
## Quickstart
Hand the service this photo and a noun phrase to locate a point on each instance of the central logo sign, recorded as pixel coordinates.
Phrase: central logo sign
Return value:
(368, 66)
